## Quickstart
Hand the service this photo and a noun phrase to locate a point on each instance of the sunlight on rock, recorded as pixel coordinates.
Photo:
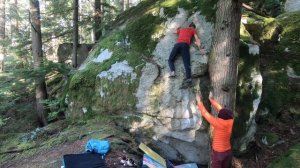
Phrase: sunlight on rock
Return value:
(287, 50)
(104, 55)
(253, 49)
(292, 5)
(118, 69)
(84, 110)
(162, 13)
(244, 20)
(291, 73)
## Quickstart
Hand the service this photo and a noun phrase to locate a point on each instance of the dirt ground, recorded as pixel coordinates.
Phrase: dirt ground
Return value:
(52, 158)
(259, 155)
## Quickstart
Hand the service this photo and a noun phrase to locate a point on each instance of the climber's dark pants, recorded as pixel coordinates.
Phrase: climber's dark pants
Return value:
(184, 50)
(221, 159)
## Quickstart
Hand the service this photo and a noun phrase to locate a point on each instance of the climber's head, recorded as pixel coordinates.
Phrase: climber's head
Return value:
(192, 25)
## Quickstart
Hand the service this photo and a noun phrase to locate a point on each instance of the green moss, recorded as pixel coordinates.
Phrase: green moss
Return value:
(140, 33)
(207, 7)
(277, 91)
(246, 94)
(271, 138)
(85, 86)
(291, 159)
(270, 31)
(143, 7)
(244, 34)
(290, 36)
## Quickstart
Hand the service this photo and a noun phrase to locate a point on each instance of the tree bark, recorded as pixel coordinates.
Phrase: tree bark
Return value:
(97, 18)
(225, 50)
(2, 34)
(36, 37)
(14, 22)
(127, 4)
(75, 33)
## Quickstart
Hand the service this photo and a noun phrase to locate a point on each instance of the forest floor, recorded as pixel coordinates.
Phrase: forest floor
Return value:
(259, 155)
(52, 158)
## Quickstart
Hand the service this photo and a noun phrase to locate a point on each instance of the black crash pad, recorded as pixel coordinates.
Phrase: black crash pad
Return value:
(84, 160)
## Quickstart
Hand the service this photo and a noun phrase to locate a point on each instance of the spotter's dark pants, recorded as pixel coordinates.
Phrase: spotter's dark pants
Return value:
(184, 50)
(221, 159)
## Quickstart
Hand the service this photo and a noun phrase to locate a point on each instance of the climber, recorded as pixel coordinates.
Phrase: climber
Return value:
(222, 129)
(182, 46)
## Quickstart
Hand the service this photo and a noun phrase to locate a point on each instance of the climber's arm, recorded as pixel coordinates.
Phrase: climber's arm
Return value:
(197, 41)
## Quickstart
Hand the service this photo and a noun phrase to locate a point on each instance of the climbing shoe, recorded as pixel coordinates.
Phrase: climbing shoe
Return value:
(172, 75)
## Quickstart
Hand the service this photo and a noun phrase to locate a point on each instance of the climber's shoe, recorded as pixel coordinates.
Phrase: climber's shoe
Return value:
(172, 75)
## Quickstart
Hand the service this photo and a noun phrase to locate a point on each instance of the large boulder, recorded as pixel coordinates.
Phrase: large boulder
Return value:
(126, 76)
(171, 112)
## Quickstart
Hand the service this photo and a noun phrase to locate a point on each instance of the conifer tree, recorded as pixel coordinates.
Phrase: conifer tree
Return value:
(97, 18)
(2, 34)
(75, 33)
(36, 37)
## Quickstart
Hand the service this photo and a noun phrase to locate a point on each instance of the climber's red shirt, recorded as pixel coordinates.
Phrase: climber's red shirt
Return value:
(185, 35)
(222, 128)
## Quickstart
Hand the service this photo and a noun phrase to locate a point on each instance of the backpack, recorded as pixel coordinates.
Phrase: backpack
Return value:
(97, 146)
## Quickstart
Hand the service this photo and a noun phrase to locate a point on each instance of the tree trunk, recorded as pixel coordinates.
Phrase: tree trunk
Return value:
(97, 18)
(127, 4)
(122, 5)
(225, 50)
(75, 33)
(2, 34)
(36, 37)
(14, 22)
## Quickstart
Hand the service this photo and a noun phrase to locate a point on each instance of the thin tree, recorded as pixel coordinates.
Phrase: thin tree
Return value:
(36, 37)
(2, 34)
(14, 21)
(225, 50)
(127, 4)
(97, 18)
(75, 33)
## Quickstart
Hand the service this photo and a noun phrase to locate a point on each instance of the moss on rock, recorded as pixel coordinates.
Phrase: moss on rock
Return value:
(247, 92)
(290, 36)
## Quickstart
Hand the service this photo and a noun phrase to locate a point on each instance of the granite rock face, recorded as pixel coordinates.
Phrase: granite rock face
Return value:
(292, 5)
(178, 130)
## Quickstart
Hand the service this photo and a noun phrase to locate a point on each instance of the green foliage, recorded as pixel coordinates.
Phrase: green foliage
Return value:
(269, 7)
(55, 108)
(3, 121)
(277, 91)
(270, 138)
(207, 7)
(289, 159)
(246, 92)
(17, 95)
(244, 34)
(290, 36)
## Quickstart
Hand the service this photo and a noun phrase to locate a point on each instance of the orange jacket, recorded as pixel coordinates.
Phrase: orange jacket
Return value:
(222, 128)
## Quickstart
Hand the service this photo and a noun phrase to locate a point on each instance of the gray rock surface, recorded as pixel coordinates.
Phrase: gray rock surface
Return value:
(292, 5)
(174, 118)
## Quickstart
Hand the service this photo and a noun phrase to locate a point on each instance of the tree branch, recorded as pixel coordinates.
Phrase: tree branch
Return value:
(249, 8)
